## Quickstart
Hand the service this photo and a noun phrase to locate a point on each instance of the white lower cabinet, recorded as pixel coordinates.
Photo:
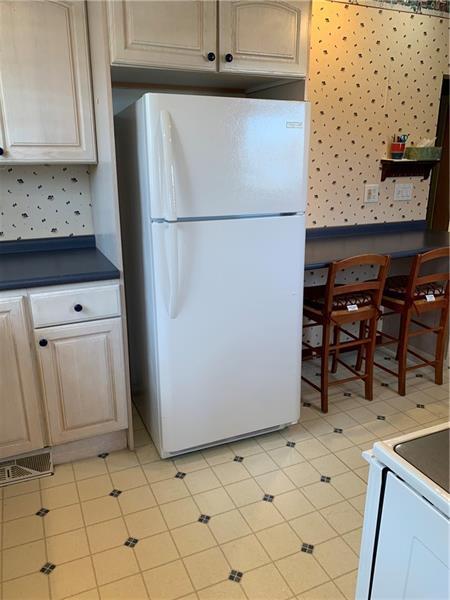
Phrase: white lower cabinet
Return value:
(83, 375)
(68, 381)
(20, 419)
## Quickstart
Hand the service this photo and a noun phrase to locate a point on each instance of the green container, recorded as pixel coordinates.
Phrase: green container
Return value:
(426, 153)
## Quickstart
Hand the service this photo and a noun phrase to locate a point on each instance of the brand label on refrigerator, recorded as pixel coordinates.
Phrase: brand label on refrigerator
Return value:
(292, 124)
(430, 297)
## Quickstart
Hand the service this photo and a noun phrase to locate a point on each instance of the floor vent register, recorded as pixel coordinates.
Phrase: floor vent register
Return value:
(25, 467)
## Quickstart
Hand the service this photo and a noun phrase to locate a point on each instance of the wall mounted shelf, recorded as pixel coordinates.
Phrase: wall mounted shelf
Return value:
(406, 168)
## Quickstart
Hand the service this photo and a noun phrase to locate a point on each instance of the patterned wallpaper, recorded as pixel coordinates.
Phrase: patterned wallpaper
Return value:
(373, 73)
(44, 201)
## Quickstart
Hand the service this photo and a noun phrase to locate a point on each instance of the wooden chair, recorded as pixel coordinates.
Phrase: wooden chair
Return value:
(411, 296)
(337, 304)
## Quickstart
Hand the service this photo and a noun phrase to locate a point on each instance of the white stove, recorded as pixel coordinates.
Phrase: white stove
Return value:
(405, 548)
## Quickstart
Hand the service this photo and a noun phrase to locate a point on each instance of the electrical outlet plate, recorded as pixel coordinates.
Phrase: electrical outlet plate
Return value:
(403, 191)
(371, 192)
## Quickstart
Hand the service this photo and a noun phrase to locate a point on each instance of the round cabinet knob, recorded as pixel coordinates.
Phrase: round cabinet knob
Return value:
(1, 151)
(229, 57)
(78, 308)
(211, 56)
(43, 343)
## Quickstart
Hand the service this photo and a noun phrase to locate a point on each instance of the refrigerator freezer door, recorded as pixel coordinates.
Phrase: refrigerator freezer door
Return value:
(228, 327)
(213, 156)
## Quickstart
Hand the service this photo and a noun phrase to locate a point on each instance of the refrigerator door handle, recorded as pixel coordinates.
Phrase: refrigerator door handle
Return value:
(168, 165)
(173, 268)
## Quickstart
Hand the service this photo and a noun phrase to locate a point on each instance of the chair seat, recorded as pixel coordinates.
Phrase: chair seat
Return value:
(315, 298)
(396, 286)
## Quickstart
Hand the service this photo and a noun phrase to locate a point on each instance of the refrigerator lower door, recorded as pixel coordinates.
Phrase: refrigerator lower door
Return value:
(228, 317)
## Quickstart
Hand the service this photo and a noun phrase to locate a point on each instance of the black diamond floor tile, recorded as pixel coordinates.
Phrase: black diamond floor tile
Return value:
(238, 458)
(347, 394)
(235, 575)
(337, 430)
(47, 568)
(308, 548)
(131, 542)
(204, 518)
(381, 417)
(180, 475)
(306, 403)
(325, 478)
(268, 498)
(290, 444)
(115, 493)
(42, 512)
(420, 405)
(103, 455)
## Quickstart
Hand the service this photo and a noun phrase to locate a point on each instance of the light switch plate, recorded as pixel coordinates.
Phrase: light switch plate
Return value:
(403, 191)
(371, 192)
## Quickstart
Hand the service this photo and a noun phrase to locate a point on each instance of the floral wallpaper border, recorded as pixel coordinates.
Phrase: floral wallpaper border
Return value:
(439, 8)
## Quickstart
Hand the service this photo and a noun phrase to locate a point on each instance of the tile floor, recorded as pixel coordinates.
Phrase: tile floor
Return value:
(274, 517)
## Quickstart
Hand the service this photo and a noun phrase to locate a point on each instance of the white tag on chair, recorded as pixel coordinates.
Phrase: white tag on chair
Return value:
(351, 307)
(430, 297)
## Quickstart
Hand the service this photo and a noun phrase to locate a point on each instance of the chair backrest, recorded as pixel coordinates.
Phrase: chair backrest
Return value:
(436, 277)
(374, 286)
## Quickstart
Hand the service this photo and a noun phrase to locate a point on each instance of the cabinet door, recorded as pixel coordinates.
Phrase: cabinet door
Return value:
(45, 89)
(167, 33)
(20, 425)
(83, 373)
(264, 37)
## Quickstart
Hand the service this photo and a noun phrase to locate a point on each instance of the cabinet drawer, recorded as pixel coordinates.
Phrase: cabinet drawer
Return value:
(75, 305)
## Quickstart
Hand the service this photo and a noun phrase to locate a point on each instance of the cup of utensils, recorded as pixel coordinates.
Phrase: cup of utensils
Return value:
(398, 145)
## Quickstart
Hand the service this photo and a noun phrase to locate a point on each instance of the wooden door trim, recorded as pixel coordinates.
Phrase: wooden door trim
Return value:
(442, 125)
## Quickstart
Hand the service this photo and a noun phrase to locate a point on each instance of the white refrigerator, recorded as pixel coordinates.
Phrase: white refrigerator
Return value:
(213, 194)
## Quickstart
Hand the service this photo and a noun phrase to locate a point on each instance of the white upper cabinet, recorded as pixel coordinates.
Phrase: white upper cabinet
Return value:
(256, 37)
(45, 85)
(266, 37)
(20, 427)
(168, 33)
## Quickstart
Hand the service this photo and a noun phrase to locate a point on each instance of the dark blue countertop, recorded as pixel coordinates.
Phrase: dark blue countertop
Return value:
(398, 240)
(33, 263)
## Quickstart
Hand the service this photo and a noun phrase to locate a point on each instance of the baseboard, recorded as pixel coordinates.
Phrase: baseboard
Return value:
(109, 442)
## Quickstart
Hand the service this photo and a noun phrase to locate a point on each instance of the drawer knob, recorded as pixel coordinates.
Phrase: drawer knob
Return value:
(211, 56)
(78, 308)
(1, 151)
(43, 343)
(229, 58)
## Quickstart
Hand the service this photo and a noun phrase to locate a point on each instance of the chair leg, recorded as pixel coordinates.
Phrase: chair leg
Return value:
(369, 354)
(336, 337)
(324, 367)
(440, 347)
(402, 350)
(359, 357)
